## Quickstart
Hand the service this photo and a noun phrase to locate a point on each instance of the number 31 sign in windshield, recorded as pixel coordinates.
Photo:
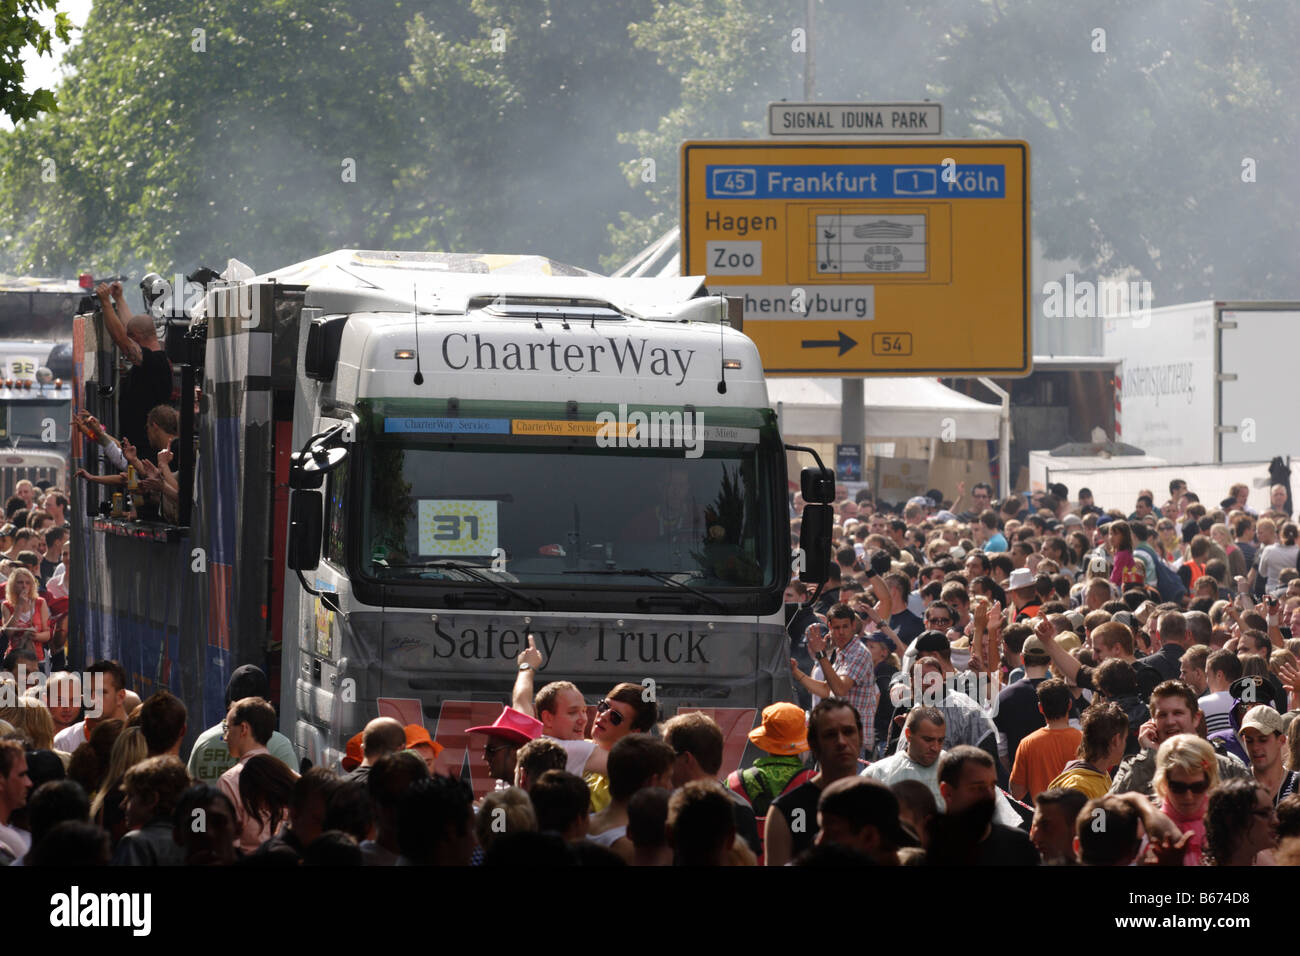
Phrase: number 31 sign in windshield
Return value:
(867, 258)
(453, 528)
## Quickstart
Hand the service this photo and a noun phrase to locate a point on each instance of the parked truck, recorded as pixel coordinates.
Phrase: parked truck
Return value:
(1203, 382)
(409, 464)
(36, 379)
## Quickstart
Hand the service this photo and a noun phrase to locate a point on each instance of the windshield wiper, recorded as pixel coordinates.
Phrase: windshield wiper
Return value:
(659, 576)
(475, 572)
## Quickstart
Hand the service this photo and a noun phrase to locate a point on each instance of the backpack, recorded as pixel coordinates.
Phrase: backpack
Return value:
(1168, 583)
(751, 787)
(1134, 573)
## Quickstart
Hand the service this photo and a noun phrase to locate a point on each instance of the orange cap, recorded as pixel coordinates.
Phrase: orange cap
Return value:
(354, 755)
(415, 735)
(784, 730)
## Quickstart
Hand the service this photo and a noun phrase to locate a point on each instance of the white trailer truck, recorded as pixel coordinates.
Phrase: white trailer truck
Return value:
(1203, 382)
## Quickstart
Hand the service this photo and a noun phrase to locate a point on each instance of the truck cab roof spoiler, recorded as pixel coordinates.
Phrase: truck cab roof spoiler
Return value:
(662, 300)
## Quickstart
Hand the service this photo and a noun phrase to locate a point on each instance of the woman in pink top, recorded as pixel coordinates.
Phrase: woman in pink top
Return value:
(1126, 570)
(26, 618)
(1186, 772)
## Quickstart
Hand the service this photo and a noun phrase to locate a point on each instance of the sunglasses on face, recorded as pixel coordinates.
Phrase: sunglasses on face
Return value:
(604, 707)
(1182, 789)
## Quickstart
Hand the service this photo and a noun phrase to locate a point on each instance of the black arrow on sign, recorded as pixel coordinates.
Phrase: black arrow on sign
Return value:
(844, 343)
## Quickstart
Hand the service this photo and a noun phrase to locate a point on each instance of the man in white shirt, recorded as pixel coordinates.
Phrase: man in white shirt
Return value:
(14, 784)
(622, 712)
(1242, 494)
(562, 710)
(918, 758)
(559, 705)
(1221, 669)
(107, 701)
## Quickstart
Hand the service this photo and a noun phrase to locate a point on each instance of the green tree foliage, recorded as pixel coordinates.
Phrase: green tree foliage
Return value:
(1140, 118)
(527, 125)
(523, 114)
(280, 132)
(19, 31)
(213, 129)
(733, 57)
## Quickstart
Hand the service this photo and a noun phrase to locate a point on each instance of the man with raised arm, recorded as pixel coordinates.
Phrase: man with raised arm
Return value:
(149, 383)
(563, 714)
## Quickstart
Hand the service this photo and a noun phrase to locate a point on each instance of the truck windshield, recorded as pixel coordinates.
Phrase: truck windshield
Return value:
(34, 422)
(568, 514)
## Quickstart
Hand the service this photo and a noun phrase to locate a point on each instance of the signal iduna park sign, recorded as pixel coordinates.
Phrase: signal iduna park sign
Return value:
(854, 119)
(885, 258)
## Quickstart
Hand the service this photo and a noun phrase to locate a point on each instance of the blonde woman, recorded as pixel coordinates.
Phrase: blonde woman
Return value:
(26, 618)
(1186, 771)
(106, 809)
(1236, 559)
(503, 811)
(32, 718)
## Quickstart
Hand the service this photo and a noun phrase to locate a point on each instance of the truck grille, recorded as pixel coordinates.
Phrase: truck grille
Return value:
(10, 475)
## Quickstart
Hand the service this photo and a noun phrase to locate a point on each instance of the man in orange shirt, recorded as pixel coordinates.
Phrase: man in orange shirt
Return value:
(1043, 754)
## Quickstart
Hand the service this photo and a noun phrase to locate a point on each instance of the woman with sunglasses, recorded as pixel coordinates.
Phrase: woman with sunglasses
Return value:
(1186, 771)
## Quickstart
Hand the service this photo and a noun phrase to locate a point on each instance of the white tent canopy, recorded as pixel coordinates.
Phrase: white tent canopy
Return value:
(895, 408)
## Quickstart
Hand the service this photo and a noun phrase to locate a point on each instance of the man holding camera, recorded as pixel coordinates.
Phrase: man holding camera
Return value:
(842, 668)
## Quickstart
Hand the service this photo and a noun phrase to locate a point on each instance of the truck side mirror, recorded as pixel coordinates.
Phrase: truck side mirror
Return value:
(305, 522)
(815, 542)
(817, 485)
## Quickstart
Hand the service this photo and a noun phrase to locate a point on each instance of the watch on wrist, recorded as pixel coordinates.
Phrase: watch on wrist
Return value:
(525, 666)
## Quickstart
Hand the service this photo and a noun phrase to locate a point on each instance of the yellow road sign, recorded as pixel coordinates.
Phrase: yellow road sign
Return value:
(867, 258)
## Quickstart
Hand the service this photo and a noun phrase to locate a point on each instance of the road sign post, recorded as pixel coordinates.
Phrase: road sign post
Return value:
(867, 258)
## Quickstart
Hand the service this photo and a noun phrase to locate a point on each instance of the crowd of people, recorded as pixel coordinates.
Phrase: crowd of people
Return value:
(108, 785)
(974, 688)
(34, 578)
(1071, 661)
